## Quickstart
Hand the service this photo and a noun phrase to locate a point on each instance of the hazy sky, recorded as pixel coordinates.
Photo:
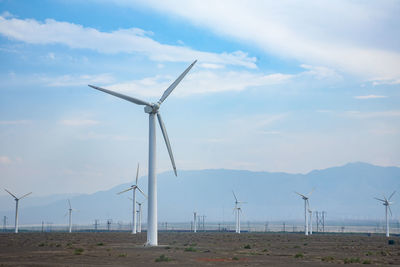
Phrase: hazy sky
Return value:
(286, 86)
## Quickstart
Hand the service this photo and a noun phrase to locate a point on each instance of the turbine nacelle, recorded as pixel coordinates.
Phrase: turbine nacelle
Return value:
(152, 109)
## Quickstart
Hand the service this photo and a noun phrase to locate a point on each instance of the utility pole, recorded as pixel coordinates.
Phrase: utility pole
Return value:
(42, 226)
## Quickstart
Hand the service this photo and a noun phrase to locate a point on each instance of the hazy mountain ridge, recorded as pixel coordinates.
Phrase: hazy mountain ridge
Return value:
(344, 192)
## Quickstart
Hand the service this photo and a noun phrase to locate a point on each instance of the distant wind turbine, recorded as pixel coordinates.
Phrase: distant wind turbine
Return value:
(387, 204)
(306, 206)
(133, 188)
(16, 207)
(194, 221)
(70, 217)
(310, 220)
(139, 230)
(152, 110)
(237, 211)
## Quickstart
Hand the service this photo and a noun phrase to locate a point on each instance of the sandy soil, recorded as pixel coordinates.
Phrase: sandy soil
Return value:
(200, 249)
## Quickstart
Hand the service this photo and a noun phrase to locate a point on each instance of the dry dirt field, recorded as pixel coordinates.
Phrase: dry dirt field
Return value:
(200, 249)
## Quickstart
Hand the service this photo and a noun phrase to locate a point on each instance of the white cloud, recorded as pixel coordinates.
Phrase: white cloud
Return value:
(373, 114)
(78, 122)
(5, 160)
(76, 80)
(369, 96)
(201, 82)
(131, 40)
(355, 37)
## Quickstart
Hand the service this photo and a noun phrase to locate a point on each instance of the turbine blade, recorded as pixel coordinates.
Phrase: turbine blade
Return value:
(309, 194)
(10, 193)
(300, 194)
(234, 196)
(164, 132)
(379, 199)
(25, 195)
(125, 97)
(391, 195)
(69, 203)
(124, 191)
(137, 173)
(175, 83)
(141, 191)
(390, 210)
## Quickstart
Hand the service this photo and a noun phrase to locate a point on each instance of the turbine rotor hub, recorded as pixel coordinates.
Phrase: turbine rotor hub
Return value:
(153, 109)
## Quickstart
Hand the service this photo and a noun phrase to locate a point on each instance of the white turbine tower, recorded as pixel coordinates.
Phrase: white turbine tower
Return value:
(387, 204)
(133, 188)
(16, 207)
(70, 217)
(139, 229)
(152, 110)
(310, 220)
(306, 206)
(194, 221)
(237, 211)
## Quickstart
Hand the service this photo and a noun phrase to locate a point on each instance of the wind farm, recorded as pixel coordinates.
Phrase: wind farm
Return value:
(264, 102)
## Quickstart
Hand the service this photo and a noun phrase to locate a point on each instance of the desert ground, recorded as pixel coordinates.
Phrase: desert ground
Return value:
(197, 249)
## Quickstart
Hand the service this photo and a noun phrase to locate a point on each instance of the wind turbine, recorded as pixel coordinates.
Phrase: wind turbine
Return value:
(152, 110)
(195, 221)
(310, 220)
(133, 188)
(237, 211)
(139, 230)
(70, 216)
(387, 204)
(306, 205)
(16, 207)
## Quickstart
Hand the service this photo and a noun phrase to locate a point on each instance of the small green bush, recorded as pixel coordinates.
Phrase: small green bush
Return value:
(235, 258)
(369, 253)
(299, 255)
(328, 258)
(351, 260)
(391, 242)
(41, 245)
(162, 258)
(122, 255)
(366, 262)
(78, 251)
(190, 249)
(247, 246)
(100, 244)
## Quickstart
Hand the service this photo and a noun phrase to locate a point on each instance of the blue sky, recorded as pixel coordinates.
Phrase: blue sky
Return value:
(279, 86)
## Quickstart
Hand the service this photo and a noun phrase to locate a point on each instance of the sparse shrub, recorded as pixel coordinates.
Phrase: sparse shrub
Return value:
(366, 262)
(206, 251)
(190, 249)
(167, 247)
(328, 258)
(193, 245)
(305, 244)
(58, 245)
(122, 255)
(299, 255)
(351, 260)
(265, 250)
(162, 258)
(391, 242)
(384, 253)
(235, 258)
(100, 244)
(78, 251)
(296, 247)
(41, 245)
(247, 246)
(369, 253)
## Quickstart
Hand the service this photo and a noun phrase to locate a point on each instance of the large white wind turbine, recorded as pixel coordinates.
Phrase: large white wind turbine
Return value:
(139, 228)
(306, 205)
(310, 220)
(152, 110)
(387, 204)
(16, 207)
(70, 217)
(237, 211)
(133, 188)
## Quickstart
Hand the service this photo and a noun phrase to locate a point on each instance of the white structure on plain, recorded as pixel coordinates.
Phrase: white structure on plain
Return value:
(139, 227)
(194, 221)
(153, 109)
(237, 210)
(310, 220)
(16, 207)
(70, 216)
(387, 204)
(133, 188)
(306, 206)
